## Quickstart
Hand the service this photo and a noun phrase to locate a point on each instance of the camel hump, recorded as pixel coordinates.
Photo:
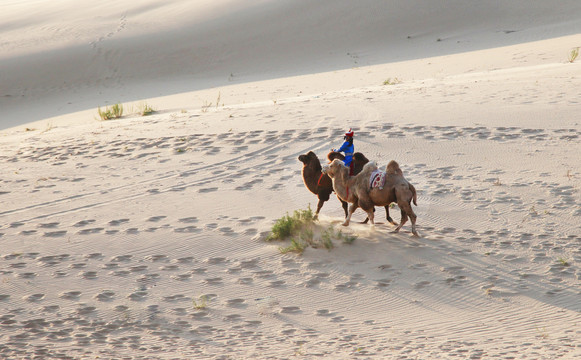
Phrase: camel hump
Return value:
(372, 165)
(393, 168)
(360, 157)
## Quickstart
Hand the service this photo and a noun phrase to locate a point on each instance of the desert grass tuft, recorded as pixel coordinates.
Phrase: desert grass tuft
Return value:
(144, 109)
(111, 112)
(391, 81)
(573, 54)
(201, 303)
(297, 246)
(288, 225)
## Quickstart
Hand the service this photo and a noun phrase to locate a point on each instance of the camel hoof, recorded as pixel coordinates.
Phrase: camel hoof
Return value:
(345, 223)
(416, 234)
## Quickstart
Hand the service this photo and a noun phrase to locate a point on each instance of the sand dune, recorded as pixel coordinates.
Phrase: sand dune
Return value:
(62, 56)
(144, 237)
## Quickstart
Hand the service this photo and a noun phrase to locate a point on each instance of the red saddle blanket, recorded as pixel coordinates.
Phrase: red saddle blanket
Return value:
(377, 180)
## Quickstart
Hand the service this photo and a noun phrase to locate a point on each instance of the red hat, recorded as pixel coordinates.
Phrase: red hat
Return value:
(349, 133)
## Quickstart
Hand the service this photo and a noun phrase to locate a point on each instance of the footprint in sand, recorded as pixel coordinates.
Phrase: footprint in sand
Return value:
(34, 297)
(51, 308)
(323, 312)
(422, 284)
(90, 231)
(169, 268)
(105, 295)
(208, 190)
(213, 281)
(94, 256)
(51, 225)
(156, 218)
(188, 229)
(185, 260)
(60, 273)
(182, 277)
(382, 283)
(138, 268)
(291, 310)
(277, 283)
(118, 222)
(88, 275)
(157, 258)
(174, 298)
(78, 265)
(122, 258)
(137, 296)
(55, 233)
(238, 303)
(70, 295)
(27, 275)
(217, 260)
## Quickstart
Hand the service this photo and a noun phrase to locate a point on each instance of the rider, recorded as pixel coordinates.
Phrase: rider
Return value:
(348, 149)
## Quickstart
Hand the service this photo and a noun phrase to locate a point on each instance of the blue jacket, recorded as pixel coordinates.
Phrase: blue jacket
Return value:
(348, 149)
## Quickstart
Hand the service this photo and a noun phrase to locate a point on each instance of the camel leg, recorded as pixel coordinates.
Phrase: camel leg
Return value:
(319, 206)
(389, 217)
(344, 205)
(367, 218)
(406, 210)
(404, 218)
(371, 216)
(352, 209)
(413, 218)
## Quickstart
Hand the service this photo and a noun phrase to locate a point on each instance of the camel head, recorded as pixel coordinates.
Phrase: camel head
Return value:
(335, 155)
(308, 158)
(335, 168)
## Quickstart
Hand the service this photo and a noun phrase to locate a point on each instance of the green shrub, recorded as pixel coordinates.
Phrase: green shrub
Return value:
(113, 112)
(288, 226)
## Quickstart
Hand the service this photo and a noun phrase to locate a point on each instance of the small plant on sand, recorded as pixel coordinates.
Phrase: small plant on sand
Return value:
(297, 246)
(326, 238)
(112, 112)
(330, 233)
(201, 303)
(144, 109)
(346, 239)
(288, 225)
(391, 81)
(205, 106)
(573, 54)
(563, 262)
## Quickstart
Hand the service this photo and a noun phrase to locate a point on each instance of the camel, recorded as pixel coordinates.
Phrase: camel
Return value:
(359, 160)
(321, 185)
(356, 190)
(317, 182)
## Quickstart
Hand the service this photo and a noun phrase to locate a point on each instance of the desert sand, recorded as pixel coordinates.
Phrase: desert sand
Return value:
(143, 237)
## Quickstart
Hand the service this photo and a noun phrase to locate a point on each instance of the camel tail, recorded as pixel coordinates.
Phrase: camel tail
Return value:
(415, 195)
